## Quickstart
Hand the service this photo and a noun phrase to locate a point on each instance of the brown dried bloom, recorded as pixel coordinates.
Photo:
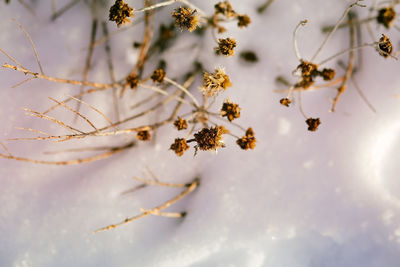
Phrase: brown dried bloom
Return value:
(328, 74)
(120, 12)
(308, 72)
(224, 8)
(158, 75)
(132, 80)
(230, 110)
(313, 124)
(243, 21)
(386, 16)
(210, 138)
(179, 146)
(385, 46)
(181, 124)
(248, 141)
(185, 18)
(213, 83)
(285, 102)
(143, 135)
(226, 46)
(308, 68)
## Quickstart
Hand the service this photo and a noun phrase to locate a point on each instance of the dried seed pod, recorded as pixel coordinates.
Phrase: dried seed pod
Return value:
(226, 46)
(185, 18)
(386, 16)
(385, 46)
(143, 135)
(328, 74)
(313, 124)
(120, 12)
(179, 146)
(210, 138)
(230, 110)
(158, 75)
(181, 124)
(213, 83)
(243, 21)
(248, 141)
(132, 80)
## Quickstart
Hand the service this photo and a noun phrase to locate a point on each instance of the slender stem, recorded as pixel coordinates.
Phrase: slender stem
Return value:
(335, 28)
(157, 209)
(296, 49)
(183, 89)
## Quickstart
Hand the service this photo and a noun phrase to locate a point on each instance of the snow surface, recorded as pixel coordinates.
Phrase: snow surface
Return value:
(300, 199)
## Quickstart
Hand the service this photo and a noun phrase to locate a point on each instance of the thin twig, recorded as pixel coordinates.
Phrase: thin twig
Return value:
(111, 70)
(88, 59)
(32, 44)
(350, 66)
(107, 154)
(157, 209)
(335, 28)
(64, 9)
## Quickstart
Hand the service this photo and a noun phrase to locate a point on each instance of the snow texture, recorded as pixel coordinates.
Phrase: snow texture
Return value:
(300, 199)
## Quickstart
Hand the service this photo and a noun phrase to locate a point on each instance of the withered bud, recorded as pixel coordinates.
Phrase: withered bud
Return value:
(143, 135)
(307, 68)
(185, 18)
(120, 12)
(181, 124)
(224, 8)
(386, 16)
(385, 46)
(210, 138)
(285, 102)
(179, 146)
(158, 75)
(226, 46)
(230, 110)
(313, 124)
(132, 80)
(328, 74)
(213, 83)
(248, 141)
(243, 21)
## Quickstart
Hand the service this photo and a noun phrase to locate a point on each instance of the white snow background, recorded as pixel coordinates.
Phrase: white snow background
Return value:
(300, 199)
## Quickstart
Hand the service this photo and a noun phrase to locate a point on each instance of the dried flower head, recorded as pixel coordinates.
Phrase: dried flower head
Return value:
(179, 146)
(385, 46)
(185, 18)
(230, 110)
(210, 138)
(120, 12)
(226, 46)
(181, 124)
(143, 135)
(243, 21)
(285, 102)
(248, 141)
(313, 124)
(308, 72)
(224, 8)
(386, 16)
(132, 80)
(308, 68)
(213, 83)
(158, 75)
(328, 74)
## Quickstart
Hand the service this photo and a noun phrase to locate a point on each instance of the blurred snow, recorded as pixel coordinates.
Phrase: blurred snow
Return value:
(329, 198)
